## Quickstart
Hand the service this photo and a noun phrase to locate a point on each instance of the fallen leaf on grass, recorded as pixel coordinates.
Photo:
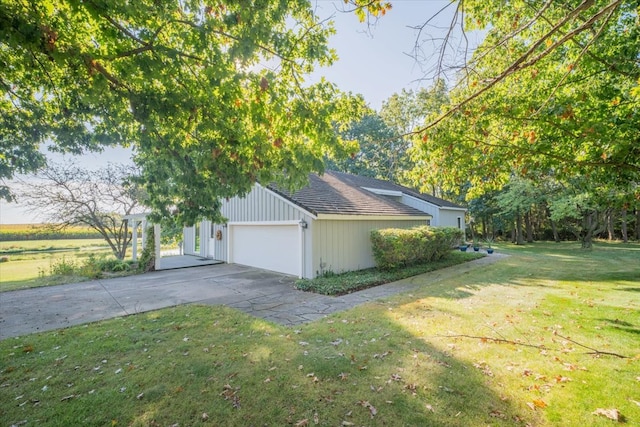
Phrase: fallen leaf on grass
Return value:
(302, 423)
(372, 409)
(497, 414)
(612, 414)
(634, 401)
(537, 403)
(540, 403)
(484, 368)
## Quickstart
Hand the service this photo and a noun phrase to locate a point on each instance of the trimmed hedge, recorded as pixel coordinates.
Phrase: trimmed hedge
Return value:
(399, 247)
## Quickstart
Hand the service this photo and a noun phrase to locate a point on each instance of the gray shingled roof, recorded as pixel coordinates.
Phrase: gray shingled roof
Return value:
(365, 181)
(342, 193)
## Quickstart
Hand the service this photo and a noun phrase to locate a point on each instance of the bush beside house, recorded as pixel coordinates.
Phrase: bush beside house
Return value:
(396, 247)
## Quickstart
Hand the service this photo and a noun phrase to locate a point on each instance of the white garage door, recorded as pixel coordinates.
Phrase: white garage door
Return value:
(272, 247)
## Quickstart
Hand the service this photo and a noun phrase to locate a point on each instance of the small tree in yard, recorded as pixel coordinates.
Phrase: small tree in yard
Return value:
(65, 195)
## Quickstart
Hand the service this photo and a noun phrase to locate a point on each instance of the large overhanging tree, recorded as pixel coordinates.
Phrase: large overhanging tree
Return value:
(554, 85)
(554, 88)
(211, 94)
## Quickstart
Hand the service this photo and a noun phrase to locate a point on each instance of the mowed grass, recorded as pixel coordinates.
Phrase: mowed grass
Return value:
(32, 269)
(514, 343)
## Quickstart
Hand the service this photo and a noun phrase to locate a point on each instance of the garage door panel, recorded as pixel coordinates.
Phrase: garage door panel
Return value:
(272, 247)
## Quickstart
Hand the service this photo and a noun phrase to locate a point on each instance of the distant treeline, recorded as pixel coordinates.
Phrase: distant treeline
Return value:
(12, 232)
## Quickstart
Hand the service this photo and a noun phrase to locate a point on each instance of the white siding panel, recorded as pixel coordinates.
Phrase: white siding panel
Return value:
(449, 218)
(423, 206)
(340, 246)
(188, 240)
(260, 205)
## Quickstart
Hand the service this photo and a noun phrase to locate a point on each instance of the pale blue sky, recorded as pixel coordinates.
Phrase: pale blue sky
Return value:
(374, 61)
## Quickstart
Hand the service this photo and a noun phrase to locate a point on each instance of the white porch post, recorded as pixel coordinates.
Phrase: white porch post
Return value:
(156, 235)
(134, 246)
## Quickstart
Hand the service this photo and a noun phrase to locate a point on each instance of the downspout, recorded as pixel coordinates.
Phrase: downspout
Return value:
(301, 230)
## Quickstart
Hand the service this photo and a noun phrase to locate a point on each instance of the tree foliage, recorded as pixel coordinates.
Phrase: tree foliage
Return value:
(551, 93)
(210, 94)
(551, 88)
(66, 195)
(554, 87)
(373, 158)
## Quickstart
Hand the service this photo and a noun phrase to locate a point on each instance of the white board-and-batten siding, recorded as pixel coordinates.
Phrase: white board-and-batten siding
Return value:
(345, 245)
(442, 216)
(259, 206)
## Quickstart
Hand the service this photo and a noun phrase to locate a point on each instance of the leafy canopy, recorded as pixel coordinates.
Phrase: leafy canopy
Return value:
(211, 95)
(551, 89)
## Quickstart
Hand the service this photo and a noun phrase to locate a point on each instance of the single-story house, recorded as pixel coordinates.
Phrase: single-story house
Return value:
(323, 227)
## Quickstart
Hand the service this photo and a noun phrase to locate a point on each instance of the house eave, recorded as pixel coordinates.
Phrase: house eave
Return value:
(353, 217)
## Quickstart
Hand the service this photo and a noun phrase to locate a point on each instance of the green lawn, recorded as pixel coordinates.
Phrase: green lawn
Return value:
(514, 343)
(30, 261)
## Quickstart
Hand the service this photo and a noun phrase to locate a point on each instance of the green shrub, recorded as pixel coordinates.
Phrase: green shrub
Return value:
(398, 247)
(94, 267)
(62, 267)
(148, 257)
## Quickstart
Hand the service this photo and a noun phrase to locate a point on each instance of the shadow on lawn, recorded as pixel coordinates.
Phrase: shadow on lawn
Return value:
(406, 380)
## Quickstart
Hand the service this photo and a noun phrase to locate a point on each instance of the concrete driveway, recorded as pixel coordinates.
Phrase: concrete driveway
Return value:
(261, 293)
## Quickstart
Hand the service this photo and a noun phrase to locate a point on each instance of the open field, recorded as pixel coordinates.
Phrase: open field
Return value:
(16, 246)
(44, 232)
(30, 261)
(33, 269)
(545, 337)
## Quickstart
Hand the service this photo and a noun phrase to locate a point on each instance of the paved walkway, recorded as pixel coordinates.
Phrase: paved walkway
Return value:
(257, 292)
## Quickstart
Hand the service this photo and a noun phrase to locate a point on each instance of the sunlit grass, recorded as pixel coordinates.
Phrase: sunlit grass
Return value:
(431, 357)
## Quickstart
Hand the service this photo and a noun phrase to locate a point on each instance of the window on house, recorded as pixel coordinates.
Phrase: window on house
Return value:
(460, 223)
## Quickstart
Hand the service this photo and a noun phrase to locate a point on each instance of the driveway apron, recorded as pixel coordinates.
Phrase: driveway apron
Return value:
(261, 293)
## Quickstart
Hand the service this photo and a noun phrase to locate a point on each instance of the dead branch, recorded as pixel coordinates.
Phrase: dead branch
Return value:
(539, 347)
(528, 58)
(493, 339)
(593, 351)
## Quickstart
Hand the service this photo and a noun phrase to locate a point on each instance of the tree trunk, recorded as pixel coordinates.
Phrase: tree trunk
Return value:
(611, 234)
(528, 226)
(519, 235)
(554, 227)
(637, 224)
(623, 226)
(590, 228)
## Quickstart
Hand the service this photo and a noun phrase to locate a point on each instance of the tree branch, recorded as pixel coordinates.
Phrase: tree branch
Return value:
(539, 347)
(525, 60)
